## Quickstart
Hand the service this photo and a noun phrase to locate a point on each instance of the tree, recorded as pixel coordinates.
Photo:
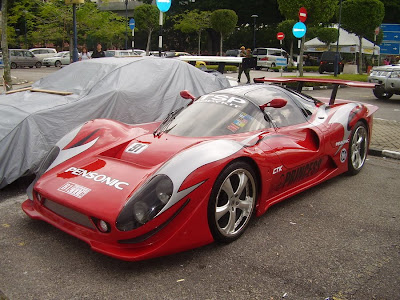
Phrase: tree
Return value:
(194, 21)
(327, 35)
(223, 21)
(361, 17)
(146, 17)
(4, 45)
(317, 12)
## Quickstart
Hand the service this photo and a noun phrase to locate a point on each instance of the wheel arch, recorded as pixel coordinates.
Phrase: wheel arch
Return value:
(255, 168)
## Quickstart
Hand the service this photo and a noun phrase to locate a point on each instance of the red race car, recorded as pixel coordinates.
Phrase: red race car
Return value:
(137, 192)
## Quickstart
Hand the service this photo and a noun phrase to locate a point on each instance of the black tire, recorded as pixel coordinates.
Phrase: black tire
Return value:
(258, 68)
(57, 64)
(320, 70)
(273, 65)
(13, 65)
(38, 65)
(229, 213)
(380, 93)
(358, 148)
(47, 66)
(30, 67)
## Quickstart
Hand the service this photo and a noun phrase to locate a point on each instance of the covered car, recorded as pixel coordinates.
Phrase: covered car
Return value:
(131, 90)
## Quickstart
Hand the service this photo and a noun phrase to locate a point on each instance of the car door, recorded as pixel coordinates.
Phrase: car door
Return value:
(295, 141)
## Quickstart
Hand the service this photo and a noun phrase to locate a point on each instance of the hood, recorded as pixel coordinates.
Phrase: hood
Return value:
(103, 181)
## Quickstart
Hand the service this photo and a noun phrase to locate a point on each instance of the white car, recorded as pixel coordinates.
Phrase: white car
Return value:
(42, 53)
(61, 58)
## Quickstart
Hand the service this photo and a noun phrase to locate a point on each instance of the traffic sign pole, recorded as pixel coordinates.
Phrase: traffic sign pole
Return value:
(160, 34)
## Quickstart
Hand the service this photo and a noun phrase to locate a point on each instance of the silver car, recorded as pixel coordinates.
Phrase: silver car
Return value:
(23, 58)
(59, 59)
(387, 79)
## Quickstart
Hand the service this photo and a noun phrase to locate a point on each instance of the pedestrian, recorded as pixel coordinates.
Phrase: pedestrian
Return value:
(242, 53)
(85, 54)
(247, 64)
(98, 52)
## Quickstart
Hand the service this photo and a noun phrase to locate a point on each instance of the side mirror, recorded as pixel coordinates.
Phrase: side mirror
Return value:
(275, 103)
(186, 95)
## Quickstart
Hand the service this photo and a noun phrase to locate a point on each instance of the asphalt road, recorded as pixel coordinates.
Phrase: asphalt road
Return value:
(338, 240)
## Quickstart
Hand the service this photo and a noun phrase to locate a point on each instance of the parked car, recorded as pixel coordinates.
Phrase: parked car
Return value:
(201, 175)
(387, 79)
(23, 58)
(124, 89)
(327, 62)
(172, 54)
(118, 53)
(233, 52)
(42, 53)
(270, 57)
(59, 59)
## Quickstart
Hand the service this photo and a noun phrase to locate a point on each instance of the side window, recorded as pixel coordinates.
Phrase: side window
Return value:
(288, 115)
(262, 52)
(395, 74)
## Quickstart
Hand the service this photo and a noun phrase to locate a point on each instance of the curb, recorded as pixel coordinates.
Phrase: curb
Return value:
(384, 153)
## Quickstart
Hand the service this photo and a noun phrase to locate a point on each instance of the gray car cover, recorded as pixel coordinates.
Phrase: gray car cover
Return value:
(132, 90)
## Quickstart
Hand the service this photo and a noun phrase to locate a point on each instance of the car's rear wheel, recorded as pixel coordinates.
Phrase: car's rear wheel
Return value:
(380, 93)
(232, 202)
(358, 148)
(320, 70)
(38, 65)
(13, 65)
(57, 63)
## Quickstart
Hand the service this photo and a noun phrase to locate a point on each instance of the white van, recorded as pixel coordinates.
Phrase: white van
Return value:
(42, 53)
(270, 57)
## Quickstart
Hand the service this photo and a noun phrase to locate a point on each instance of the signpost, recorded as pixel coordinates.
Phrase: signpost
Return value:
(299, 30)
(391, 39)
(302, 14)
(132, 24)
(280, 36)
(163, 6)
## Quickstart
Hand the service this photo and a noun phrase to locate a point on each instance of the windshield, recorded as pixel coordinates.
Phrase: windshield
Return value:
(218, 114)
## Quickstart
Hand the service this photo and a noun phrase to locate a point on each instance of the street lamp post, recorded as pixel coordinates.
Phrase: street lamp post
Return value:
(254, 30)
(336, 67)
(126, 24)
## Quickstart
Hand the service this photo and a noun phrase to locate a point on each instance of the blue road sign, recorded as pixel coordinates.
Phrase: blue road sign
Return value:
(299, 30)
(390, 27)
(163, 5)
(132, 23)
(390, 48)
(391, 36)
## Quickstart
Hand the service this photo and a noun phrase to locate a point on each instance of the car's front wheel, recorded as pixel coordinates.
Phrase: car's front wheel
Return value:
(38, 65)
(232, 202)
(380, 93)
(358, 148)
(57, 63)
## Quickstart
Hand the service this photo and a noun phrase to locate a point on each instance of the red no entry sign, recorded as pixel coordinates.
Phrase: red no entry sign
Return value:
(302, 14)
(280, 36)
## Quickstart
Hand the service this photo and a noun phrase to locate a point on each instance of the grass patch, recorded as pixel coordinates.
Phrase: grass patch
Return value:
(227, 68)
(352, 77)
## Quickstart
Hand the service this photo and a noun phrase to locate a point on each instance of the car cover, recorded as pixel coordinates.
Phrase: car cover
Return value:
(132, 90)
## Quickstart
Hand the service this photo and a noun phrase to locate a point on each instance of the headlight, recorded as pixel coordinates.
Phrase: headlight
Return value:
(146, 203)
(50, 157)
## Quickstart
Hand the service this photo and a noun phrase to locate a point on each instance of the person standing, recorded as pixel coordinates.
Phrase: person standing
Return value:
(98, 52)
(247, 64)
(242, 53)
(85, 54)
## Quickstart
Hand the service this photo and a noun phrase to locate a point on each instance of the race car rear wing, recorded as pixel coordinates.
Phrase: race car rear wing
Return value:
(301, 80)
